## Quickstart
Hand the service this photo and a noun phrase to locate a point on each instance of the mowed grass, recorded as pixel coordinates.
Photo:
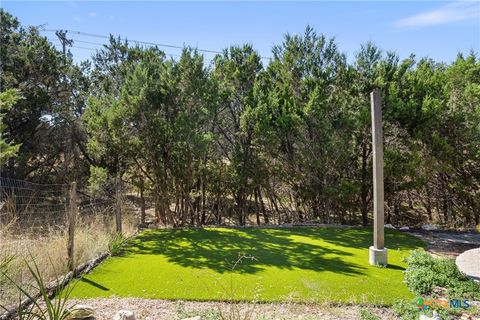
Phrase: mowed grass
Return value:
(288, 264)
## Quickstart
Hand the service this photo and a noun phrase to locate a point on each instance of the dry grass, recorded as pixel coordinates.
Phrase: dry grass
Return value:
(48, 247)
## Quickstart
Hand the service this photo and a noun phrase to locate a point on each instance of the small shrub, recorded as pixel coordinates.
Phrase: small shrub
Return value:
(367, 314)
(406, 310)
(118, 244)
(425, 273)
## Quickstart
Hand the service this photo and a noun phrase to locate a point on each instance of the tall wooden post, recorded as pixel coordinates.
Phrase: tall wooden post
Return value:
(72, 217)
(118, 204)
(378, 253)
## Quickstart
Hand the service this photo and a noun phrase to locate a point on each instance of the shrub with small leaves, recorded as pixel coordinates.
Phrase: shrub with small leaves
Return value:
(367, 314)
(424, 273)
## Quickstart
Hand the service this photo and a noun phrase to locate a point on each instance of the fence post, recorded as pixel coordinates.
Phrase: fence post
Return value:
(72, 216)
(118, 204)
(378, 253)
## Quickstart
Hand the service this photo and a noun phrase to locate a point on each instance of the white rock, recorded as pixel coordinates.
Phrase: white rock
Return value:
(389, 226)
(429, 227)
(434, 317)
(193, 318)
(404, 228)
(124, 315)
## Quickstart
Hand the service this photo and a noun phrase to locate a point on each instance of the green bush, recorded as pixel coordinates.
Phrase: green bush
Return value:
(118, 244)
(367, 314)
(408, 310)
(425, 273)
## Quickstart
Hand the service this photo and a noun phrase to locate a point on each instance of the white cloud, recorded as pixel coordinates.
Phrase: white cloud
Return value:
(77, 18)
(92, 14)
(72, 4)
(452, 12)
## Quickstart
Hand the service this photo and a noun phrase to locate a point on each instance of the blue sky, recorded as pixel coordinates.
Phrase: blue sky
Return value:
(431, 28)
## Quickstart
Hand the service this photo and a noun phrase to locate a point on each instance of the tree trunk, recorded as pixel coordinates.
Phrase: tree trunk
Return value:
(142, 202)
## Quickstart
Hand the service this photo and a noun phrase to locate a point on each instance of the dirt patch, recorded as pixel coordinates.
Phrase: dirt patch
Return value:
(151, 309)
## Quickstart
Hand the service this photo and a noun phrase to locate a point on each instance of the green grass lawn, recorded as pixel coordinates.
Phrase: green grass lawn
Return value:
(290, 264)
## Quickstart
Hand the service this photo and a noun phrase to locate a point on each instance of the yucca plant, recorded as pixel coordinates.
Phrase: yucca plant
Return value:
(118, 244)
(44, 305)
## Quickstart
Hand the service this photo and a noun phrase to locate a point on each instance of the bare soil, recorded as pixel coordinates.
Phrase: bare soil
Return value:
(151, 309)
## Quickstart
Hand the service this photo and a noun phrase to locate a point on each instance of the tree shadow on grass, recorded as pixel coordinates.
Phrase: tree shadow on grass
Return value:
(219, 249)
(93, 283)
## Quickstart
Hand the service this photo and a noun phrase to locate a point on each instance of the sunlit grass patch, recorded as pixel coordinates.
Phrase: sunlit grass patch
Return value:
(290, 264)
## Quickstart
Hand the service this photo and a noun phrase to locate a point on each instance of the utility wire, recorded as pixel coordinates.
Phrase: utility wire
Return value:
(141, 42)
(100, 46)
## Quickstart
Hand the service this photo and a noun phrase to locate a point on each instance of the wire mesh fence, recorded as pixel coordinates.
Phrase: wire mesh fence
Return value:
(32, 204)
(57, 226)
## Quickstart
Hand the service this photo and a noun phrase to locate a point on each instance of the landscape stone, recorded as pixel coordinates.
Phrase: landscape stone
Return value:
(429, 227)
(124, 315)
(467, 263)
(81, 312)
(404, 228)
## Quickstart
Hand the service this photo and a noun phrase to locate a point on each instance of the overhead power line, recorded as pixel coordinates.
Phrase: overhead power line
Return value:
(87, 34)
(100, 45)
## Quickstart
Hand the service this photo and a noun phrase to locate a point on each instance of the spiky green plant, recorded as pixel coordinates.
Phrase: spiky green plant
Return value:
(44, 305)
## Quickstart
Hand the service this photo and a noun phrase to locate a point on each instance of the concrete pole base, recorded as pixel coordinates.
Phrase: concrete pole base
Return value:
(378, 257)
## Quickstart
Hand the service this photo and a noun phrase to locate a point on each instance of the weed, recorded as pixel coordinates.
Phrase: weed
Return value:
(118, 244)
(367, 314)
(42, 307)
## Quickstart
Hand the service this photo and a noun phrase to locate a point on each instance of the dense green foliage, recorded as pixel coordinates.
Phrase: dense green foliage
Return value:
(436, 278)
(283, 141)
(425, 273)
(8, 99)
(277, 264)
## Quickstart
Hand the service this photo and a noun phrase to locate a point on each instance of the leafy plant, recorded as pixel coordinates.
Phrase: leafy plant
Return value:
(42, 306)
(425, 273)
(118, 244)
(367, 314)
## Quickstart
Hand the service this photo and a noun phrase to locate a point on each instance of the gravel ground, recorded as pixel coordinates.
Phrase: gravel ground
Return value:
(448, 243)
(151, 309)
